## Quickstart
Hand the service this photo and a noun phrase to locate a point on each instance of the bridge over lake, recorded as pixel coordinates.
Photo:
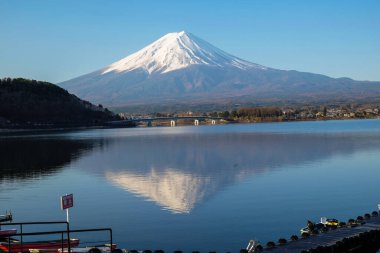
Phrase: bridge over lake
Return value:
(173, 120)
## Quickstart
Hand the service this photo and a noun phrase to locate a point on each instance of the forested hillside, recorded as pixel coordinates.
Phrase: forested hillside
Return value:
(36, 104)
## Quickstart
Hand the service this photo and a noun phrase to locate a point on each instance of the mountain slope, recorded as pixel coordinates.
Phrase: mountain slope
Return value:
(182, 68)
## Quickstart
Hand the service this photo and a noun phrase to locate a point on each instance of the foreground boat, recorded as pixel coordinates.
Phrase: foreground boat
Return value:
(13, 245)
(89, 249)
(6, 217)
(323, 226)
(9, 242)
(8, 232)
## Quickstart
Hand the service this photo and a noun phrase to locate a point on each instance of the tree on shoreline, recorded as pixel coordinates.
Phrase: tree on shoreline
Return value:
(35, 103)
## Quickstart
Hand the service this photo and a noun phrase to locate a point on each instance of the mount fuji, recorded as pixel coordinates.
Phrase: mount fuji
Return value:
(180, 68)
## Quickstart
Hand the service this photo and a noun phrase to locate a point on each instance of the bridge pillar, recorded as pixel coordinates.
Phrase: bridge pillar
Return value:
(172, 123)
(213, 122)
(196, 122)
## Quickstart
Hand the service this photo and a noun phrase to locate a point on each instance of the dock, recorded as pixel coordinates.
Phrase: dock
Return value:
(342, 239)
(353, 238)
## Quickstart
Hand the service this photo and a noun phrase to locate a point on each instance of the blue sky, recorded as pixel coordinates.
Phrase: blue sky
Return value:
(56, 40)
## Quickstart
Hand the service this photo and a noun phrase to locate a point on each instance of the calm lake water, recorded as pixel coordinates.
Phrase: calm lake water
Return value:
(194, 188)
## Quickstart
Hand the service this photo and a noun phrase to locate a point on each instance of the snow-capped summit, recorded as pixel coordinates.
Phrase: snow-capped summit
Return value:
(176, 51)
(182, 69)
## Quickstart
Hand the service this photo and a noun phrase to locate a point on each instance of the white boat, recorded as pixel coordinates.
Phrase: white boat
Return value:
(6, 217)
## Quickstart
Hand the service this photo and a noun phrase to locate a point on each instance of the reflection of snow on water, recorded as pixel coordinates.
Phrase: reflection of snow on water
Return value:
(174, 190)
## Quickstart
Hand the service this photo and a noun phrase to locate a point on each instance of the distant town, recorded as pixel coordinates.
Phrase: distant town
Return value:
(276, 114)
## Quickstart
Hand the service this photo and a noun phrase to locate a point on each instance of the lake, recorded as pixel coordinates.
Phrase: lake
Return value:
(196, 187)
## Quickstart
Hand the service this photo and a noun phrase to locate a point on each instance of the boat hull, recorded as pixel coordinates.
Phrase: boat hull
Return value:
(47, 245)
(8, 232)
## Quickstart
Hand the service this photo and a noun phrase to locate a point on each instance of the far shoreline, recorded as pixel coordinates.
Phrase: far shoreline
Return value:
(63, 129)
(54, 129)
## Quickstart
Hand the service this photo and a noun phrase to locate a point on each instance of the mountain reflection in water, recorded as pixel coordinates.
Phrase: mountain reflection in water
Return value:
(179, 172)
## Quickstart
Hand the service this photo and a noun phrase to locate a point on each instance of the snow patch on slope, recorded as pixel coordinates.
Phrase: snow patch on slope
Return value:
(176, 51)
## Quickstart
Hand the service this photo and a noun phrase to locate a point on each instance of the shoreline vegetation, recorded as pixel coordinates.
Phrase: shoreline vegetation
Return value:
(159, 124)
(277, 114)
(29, 105)
(306, 113)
